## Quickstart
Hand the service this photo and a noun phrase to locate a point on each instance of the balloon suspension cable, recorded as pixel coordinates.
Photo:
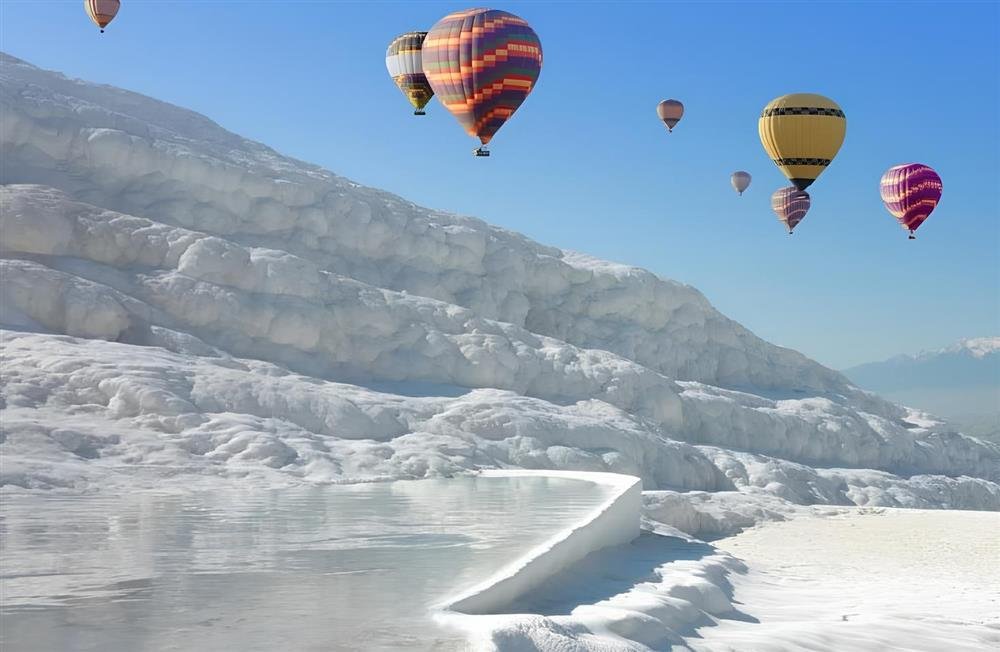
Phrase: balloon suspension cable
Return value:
(481, 151)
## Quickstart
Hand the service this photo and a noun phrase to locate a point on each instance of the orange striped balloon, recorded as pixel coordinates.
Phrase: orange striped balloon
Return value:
(102, 12)
(482, 64)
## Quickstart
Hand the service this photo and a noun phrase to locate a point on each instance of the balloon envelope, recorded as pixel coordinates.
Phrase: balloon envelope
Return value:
(671, 112)
(740, 181)
(802, 133)
(790, 205)
(101, 12)
(402, 59)
(482, 64)
(910, 193)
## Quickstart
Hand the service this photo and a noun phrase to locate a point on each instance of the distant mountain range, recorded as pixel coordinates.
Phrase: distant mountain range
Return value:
(960, 382)
(969, 363)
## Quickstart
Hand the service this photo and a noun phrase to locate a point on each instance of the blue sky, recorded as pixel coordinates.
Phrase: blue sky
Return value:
(585, 164)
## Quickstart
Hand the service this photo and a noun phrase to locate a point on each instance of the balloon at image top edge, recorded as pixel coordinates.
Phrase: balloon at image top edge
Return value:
(403, 61)
(102, 12)
(740, 181)
(910, 193)
(670, 112)
(482, 64)
(802, 134)
(790, 205)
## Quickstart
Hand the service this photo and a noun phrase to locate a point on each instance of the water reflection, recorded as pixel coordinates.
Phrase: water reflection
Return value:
(310, 568)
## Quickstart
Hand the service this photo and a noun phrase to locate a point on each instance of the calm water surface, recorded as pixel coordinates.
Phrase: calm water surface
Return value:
(318, 568)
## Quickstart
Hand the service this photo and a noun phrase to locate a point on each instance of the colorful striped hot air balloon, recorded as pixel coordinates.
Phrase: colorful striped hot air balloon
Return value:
(482, 64)
(790, 205)
(402, 59)
(101, 12)
(671, 112)
(740, 181)
(910, 192)
(802, 133)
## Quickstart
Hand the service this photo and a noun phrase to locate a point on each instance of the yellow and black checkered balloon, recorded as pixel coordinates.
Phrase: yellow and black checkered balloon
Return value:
(802, 132)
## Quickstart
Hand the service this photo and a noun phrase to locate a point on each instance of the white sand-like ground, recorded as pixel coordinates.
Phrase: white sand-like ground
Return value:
(865, 579)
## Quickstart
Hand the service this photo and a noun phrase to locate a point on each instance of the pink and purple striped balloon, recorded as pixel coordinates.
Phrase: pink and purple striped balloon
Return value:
(910, 192)
(790, 205)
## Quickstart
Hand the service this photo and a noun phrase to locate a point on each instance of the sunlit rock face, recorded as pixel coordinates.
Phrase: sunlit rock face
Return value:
(180, 301)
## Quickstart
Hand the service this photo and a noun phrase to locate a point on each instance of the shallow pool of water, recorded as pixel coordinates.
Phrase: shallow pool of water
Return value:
(311, 568)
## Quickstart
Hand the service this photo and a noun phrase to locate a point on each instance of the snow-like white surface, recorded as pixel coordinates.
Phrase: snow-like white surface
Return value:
(980, 347)
(180, 305)
(181, 300)
(830, 579)
(873, 580)
(976, 347)
(645, 595)
(613, 522)
(143, 158)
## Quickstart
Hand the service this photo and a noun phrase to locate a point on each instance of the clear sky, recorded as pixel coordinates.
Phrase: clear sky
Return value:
(586, 165)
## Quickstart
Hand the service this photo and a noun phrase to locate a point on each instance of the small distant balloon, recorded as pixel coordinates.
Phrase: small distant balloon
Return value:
(802, 134)
(910, 193)
(102, 12)
(670, 112)
(790, 205)
(402, 59)
(740, 181)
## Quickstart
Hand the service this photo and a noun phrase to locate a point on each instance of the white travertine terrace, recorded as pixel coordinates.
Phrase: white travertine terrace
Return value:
(178, 300)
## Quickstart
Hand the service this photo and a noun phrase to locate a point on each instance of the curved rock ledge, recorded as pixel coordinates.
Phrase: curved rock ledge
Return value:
(614, 522)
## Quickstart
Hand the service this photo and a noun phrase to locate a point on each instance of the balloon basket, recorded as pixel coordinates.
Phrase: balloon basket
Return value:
(911, 237)
(419, 112)
(481, 151)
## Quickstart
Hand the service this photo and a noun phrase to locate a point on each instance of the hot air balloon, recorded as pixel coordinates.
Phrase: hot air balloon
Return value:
(740, 181)
(482, 64)
(402, 58)
(802, 133)
(670, 111)
(910, 192)
(790, 205)
(101, 12)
